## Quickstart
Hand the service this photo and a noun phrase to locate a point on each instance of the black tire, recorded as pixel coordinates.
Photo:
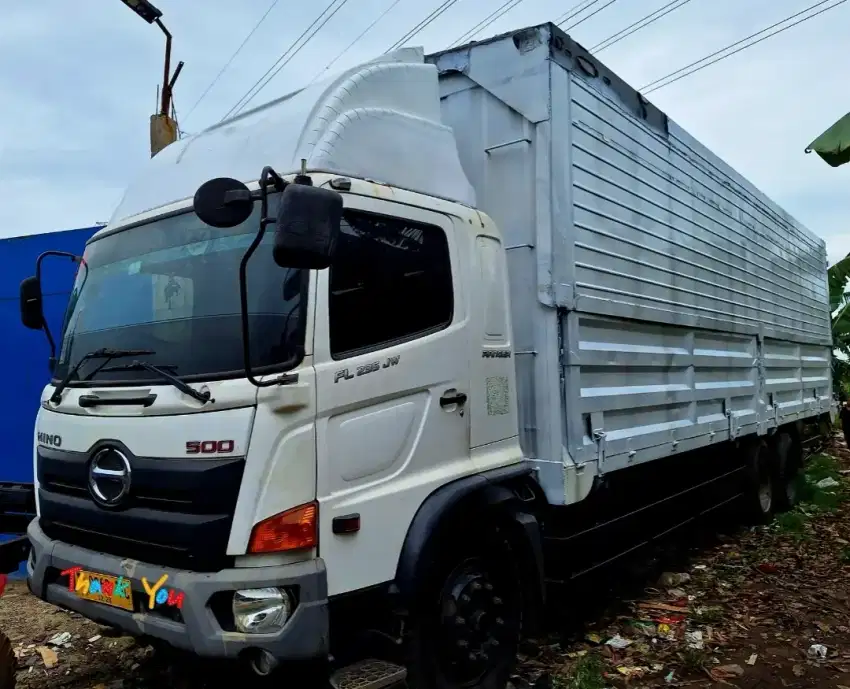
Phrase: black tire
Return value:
(8, 663)
(760, 483)
(787, 470)
(466, 627)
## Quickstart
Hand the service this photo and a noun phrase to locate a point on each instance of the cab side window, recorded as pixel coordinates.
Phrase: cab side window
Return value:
(391, 281)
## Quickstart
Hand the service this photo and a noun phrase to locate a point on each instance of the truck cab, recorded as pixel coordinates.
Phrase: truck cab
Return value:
(241, 426)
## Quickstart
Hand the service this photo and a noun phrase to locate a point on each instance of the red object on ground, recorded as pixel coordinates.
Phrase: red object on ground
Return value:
(3, 580)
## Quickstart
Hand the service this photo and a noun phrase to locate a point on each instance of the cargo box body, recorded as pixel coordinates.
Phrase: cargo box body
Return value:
(661, 303)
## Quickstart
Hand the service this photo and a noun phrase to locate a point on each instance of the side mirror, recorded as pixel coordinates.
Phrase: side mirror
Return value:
(32, 309)
(223, 202)
(308, 226)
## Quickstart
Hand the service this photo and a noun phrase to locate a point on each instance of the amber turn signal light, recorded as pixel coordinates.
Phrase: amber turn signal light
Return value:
(294, 529)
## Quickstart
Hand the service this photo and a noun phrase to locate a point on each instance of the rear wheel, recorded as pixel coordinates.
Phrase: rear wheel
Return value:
(760, 485)
(466, 629)
(787, 471)
(8, 664)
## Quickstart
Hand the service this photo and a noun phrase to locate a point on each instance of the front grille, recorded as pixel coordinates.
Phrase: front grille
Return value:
(178, 512)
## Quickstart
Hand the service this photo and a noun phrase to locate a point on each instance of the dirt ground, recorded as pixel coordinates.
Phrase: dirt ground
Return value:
(760, 608)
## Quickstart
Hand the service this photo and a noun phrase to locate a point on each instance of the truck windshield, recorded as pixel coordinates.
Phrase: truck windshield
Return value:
(172, 286)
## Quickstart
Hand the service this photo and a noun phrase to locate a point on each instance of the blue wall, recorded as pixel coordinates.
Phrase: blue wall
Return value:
(24, 353)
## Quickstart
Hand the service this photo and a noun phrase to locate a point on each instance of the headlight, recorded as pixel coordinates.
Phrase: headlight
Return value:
(261, 611)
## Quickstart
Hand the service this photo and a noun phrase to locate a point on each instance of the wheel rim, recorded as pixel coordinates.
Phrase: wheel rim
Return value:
(479, 622)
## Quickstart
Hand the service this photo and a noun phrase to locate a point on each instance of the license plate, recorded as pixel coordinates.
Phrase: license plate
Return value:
(104, 588)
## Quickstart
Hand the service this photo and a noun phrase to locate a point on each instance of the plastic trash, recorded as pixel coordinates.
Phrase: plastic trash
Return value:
(827, 482)
(694, 639)
(618, 642)
(672, 579)
(817, 652)
(60, 639)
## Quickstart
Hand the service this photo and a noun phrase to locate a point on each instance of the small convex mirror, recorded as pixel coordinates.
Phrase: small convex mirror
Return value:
(223, 202)
(32, 310)
(308, 226)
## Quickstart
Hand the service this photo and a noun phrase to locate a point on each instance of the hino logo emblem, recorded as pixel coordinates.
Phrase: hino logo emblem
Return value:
(49, 439)
(109, 477)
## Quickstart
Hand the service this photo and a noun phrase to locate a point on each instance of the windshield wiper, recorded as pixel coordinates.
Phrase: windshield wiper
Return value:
(104, 353)
(163, 373)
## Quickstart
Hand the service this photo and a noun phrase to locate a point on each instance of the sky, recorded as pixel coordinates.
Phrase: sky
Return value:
(78, 84)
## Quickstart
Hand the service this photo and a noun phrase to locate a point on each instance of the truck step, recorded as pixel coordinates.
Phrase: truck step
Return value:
(369, 674)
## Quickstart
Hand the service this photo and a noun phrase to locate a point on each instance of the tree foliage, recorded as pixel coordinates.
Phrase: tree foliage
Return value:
(839, 303)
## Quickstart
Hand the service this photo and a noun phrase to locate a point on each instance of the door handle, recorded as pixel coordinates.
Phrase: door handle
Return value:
(451, 397)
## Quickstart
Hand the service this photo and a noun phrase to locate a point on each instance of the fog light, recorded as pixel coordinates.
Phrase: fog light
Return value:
(261, 611)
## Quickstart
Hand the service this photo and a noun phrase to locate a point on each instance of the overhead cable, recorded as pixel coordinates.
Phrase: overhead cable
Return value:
(701, 64)
(584, 19)
(355, 41)
(575, 10)
(484, 23)
(447, 4)
(306, 36)
(641, 23)
(232, 57)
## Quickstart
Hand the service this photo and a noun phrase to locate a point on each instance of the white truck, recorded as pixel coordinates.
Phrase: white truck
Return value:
(378, 364)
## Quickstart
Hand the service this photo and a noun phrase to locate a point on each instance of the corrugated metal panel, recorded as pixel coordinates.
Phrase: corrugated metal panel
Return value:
(659, 226)
(666, 302)
(23, 352)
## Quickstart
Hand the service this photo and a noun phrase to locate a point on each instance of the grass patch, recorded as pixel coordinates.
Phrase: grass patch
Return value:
(813, 500)
(694, 660)
(587, 673)
(822, 466)
(709, 615)
(791, 523)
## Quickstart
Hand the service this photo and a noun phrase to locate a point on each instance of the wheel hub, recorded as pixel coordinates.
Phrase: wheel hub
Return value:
(473, 624)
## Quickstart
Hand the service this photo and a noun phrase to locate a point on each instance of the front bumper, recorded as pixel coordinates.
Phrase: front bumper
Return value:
(197, 626)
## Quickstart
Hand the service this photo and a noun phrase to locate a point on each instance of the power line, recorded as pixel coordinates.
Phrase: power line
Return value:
(596, 11)
(575, 10)
(632, 28)
(421, 25)
(732, 45)
(682, 73)
(511, 4)
(232, 57)
(356, 40)
(279, 59)
(487, 21)
(286, 57)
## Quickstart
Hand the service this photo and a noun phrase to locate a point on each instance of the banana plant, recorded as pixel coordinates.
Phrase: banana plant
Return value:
(839, 303)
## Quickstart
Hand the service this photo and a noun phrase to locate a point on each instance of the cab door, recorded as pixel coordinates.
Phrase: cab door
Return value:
(392, 383)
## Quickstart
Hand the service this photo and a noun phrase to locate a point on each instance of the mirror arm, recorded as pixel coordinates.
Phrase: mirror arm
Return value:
(268, 178)
(44, 326)
(45, 254)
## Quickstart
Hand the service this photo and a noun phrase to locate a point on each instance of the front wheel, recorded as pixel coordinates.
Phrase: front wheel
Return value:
(8, 664)
(467, 624)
